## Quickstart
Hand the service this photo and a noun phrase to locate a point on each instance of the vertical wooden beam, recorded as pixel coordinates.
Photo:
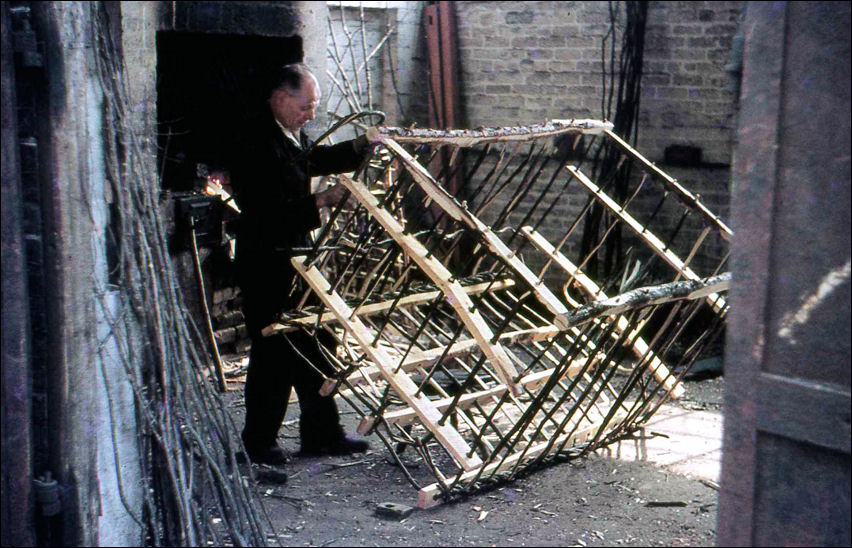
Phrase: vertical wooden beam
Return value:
(433, 45)
(16, 491)
(449, 66)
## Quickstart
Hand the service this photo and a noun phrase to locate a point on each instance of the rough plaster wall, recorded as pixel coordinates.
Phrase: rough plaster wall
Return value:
(119, 473)
(409, 63)
(312, 26)
(118, 466)
(138, 40)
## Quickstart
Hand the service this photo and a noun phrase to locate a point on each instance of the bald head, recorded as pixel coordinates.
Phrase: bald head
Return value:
(295, 96)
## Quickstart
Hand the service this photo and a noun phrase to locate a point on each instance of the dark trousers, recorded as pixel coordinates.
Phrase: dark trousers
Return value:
(275, 367)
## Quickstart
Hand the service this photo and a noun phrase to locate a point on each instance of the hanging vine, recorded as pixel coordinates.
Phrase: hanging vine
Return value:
(608, 169)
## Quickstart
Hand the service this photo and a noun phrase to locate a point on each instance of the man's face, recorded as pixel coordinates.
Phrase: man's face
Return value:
(295, 109)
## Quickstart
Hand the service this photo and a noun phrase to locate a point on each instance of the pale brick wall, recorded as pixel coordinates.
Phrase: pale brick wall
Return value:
(409, 64)
(523, 62)
(684, 97)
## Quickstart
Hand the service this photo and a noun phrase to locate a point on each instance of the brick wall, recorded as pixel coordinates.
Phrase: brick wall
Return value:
(684, 96)
(525, 62)
(522, 63)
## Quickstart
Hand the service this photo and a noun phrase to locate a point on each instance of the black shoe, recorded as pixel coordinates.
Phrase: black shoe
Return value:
(349, 444)
(273, 456)
(345, 445)
(274, 476)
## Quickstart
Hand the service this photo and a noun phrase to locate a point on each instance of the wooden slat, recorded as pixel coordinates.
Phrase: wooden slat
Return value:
(495, 244)
(427, 496)
(375, 308)
(714, 300)
(424, 357)
(683, 194)
(453, 292)
(640, 347)
(530, 382)
(401, 384)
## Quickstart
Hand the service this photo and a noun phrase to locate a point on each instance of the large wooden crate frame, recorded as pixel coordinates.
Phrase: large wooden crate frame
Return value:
(485, 370)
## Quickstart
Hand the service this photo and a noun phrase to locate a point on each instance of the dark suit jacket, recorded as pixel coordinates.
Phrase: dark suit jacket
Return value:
(271, 180)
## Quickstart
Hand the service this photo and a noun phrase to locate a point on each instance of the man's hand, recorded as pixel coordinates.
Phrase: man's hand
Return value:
(220, 177)
(368, 142)
(374, 137)
(332, 196)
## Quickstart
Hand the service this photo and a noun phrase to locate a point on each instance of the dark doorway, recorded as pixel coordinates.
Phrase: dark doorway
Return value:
(207, 86)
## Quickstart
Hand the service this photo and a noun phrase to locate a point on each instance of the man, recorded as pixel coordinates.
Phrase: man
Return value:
(271, 172)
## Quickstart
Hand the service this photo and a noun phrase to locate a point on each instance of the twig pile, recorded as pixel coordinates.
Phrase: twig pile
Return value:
(193, 492)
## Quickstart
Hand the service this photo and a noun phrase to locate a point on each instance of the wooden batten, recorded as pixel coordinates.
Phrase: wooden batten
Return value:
(495, 244)
(640, 347)
(402, 385)
(530, 382)
(717, 302)
(420, 358)
(685, 196)
(376, 308)
(443, 278)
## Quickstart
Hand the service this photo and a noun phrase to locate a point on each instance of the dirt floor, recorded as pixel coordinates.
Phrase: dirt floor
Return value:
(659, 489)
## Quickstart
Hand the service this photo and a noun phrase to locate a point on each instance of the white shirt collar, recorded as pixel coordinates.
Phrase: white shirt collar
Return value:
(289, 134)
